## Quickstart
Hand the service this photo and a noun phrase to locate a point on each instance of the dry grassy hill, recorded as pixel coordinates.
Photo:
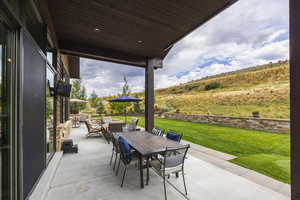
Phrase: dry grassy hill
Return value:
(262, 88)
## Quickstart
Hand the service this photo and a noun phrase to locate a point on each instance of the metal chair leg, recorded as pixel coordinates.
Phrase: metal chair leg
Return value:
(177, 174)
(116, 159)
(118, 167)
(124, 173)
(111, 158)
(184, 182)
(165, 187)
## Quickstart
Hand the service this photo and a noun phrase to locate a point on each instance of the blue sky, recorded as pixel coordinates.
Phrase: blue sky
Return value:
(249, 33)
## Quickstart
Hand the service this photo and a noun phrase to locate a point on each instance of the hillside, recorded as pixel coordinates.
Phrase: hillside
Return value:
(262, 88)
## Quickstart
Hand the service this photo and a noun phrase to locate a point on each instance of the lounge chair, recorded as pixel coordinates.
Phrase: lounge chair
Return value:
(92, 130)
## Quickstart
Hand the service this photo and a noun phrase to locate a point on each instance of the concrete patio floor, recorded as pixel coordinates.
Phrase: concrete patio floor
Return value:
(88, 176)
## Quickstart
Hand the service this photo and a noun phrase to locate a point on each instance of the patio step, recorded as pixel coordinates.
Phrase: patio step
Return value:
(208, 151)
(221, 160)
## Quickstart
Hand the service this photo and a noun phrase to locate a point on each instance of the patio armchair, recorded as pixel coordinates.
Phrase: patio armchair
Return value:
(92, 130)
(127, 156)
(172, 135)
(132, 126)
(171, 163)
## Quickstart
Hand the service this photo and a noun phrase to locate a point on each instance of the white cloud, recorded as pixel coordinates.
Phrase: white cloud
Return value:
(251, 32)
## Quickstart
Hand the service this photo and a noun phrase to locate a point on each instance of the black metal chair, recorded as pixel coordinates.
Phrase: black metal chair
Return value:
(127, 156)
(171, 163)
(115, 150)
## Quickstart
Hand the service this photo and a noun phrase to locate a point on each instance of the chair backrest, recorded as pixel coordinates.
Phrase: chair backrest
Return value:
(172, 135)
(160, 132)
(154, 131)
(132, 125)
(174, 157)
(115, 142)
(115, 127)
(125, 150)
(88, 126)
(136, 121)
(106, 134)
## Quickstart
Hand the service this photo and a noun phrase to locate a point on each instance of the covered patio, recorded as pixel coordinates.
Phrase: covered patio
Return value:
(43, 41)
(87, 175)
(141, 33)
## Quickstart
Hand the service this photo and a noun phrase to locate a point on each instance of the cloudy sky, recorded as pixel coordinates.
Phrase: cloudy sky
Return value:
(249, 33)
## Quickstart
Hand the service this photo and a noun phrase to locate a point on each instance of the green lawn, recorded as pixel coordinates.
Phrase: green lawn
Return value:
(267, 153)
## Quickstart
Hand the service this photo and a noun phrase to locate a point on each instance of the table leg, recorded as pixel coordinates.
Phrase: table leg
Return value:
(141, 171)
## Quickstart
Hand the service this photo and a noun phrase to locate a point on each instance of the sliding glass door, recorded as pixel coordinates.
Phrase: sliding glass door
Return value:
(5, 114)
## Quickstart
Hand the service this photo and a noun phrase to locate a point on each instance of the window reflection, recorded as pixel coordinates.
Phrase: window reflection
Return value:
(50, 136)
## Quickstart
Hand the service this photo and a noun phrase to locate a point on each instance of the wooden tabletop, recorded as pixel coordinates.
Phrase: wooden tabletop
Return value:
(146, 143)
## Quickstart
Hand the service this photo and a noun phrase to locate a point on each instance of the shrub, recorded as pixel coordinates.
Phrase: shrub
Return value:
(190, 87)
(212, 86)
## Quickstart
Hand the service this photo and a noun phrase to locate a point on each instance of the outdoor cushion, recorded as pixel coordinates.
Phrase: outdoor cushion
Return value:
(173, 136)
(125, 148)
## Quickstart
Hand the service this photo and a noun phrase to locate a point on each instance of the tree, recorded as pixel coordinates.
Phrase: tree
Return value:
(120, 107)
(136, 106)
(125, 89)
(77, 92)
(100, 107)
(94, 100)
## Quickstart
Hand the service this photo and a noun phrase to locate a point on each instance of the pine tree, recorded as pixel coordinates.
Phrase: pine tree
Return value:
(94, 100)
(100, 107)
(120, 107)
(136, 106)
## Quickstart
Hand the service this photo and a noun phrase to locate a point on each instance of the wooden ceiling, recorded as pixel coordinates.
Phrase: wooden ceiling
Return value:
(127, 31)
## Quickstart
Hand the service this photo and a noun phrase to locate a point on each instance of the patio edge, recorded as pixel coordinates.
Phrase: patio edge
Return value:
(40, 192)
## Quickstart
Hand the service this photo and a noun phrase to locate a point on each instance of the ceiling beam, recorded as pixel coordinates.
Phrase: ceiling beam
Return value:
(76, 49)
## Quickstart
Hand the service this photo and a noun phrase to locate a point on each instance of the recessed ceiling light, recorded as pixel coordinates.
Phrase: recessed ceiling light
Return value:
(96, 29)
(140, 41)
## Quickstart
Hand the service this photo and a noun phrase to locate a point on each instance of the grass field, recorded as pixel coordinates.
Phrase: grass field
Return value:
(266, 153)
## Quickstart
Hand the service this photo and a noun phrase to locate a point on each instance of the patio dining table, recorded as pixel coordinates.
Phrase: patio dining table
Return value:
(147, 144)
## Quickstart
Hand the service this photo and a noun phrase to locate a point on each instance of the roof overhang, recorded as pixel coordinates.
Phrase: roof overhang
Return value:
(128, 32)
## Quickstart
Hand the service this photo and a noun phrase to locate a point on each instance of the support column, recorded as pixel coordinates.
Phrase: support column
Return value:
(152, 64)
(295, 97)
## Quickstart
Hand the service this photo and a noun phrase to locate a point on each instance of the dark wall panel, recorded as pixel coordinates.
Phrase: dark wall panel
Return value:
(34, 155)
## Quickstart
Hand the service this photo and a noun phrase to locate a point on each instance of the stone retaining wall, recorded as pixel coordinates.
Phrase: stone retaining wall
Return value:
(270, 125)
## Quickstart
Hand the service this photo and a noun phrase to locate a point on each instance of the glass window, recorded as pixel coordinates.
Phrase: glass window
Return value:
(50, 132)
(5, 132)
(50, 57)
